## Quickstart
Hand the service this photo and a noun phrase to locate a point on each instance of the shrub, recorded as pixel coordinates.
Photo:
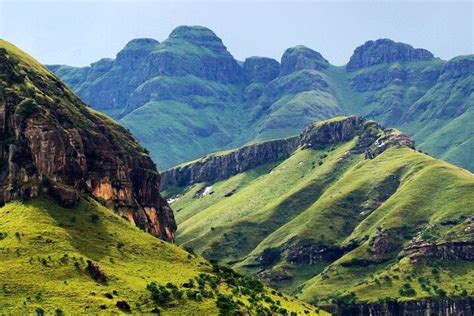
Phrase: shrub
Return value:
(226, 305)
(94, 218)
(159, 294)
(39, 311)
(440, 292)
(27, 107)
(46, 182)
(123, 305)
(269, 257)
(190, 250)
(407, 290)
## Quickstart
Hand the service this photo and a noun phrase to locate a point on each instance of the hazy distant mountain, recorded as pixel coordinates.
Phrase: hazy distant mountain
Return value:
(189, 90)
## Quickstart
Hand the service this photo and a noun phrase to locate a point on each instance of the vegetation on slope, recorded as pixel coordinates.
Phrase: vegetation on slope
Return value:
(324, 223)
(87, 259)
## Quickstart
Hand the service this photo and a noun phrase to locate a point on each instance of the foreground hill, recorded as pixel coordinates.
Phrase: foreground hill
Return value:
(189, 90)
(346, 212)
(87, 260)
(80, 213)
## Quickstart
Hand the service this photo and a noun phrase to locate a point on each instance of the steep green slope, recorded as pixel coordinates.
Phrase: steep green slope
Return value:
(328, 221)
(45, 250)
(441, 120)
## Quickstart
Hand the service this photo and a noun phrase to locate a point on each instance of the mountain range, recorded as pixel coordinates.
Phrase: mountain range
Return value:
(189, 90)
(292, 188)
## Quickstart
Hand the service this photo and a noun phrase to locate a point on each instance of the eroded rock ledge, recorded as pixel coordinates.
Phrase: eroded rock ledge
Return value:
(222, 166)
(373, 140)
(444, 250)
(431, 306)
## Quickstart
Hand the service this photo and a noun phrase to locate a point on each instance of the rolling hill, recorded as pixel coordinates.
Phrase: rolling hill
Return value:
(347, 212)
(189, 90)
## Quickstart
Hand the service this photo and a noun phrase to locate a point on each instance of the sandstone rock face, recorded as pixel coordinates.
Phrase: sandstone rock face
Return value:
(445, 250)
(217, 167)
(434, 306)
(301, 57)
(52, 143)
(310, 253)
(373, 138)
(385, 51)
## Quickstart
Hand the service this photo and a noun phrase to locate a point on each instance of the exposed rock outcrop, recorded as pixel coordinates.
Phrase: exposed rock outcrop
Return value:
(221, 166)
(319, 135)
(385, 51)
(52, 143)
(423, 307)
(310, 253)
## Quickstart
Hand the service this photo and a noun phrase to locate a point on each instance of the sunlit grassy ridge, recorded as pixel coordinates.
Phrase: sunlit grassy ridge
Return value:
(44, 251)
(332, 199)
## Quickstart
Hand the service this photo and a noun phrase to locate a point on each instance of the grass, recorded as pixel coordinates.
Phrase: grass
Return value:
(328, 198)
(46, 248)
(181, 111)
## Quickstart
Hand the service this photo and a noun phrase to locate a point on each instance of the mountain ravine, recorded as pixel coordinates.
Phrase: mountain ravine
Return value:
(189, 90)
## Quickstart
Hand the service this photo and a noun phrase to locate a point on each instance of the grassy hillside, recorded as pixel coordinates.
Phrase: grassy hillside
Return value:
(45, 251)
(189, 90)
(324, 223)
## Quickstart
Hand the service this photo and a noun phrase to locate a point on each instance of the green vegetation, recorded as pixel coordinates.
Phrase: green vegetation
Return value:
(330, 219)
(47, 258)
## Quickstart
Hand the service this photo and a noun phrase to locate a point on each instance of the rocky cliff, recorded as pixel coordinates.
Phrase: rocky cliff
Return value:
(434, 306)
(444, 250)
(222, 166)
(52, 144)
(385, 51)
(373, 140)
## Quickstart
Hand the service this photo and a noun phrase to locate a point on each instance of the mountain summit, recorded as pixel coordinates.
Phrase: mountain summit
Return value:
(385, 51)
(52, 143)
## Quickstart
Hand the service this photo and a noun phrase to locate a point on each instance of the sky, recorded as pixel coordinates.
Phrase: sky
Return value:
(83, 31)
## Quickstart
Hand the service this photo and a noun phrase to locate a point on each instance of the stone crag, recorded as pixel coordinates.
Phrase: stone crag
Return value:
(373, 140)
(52, 144)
